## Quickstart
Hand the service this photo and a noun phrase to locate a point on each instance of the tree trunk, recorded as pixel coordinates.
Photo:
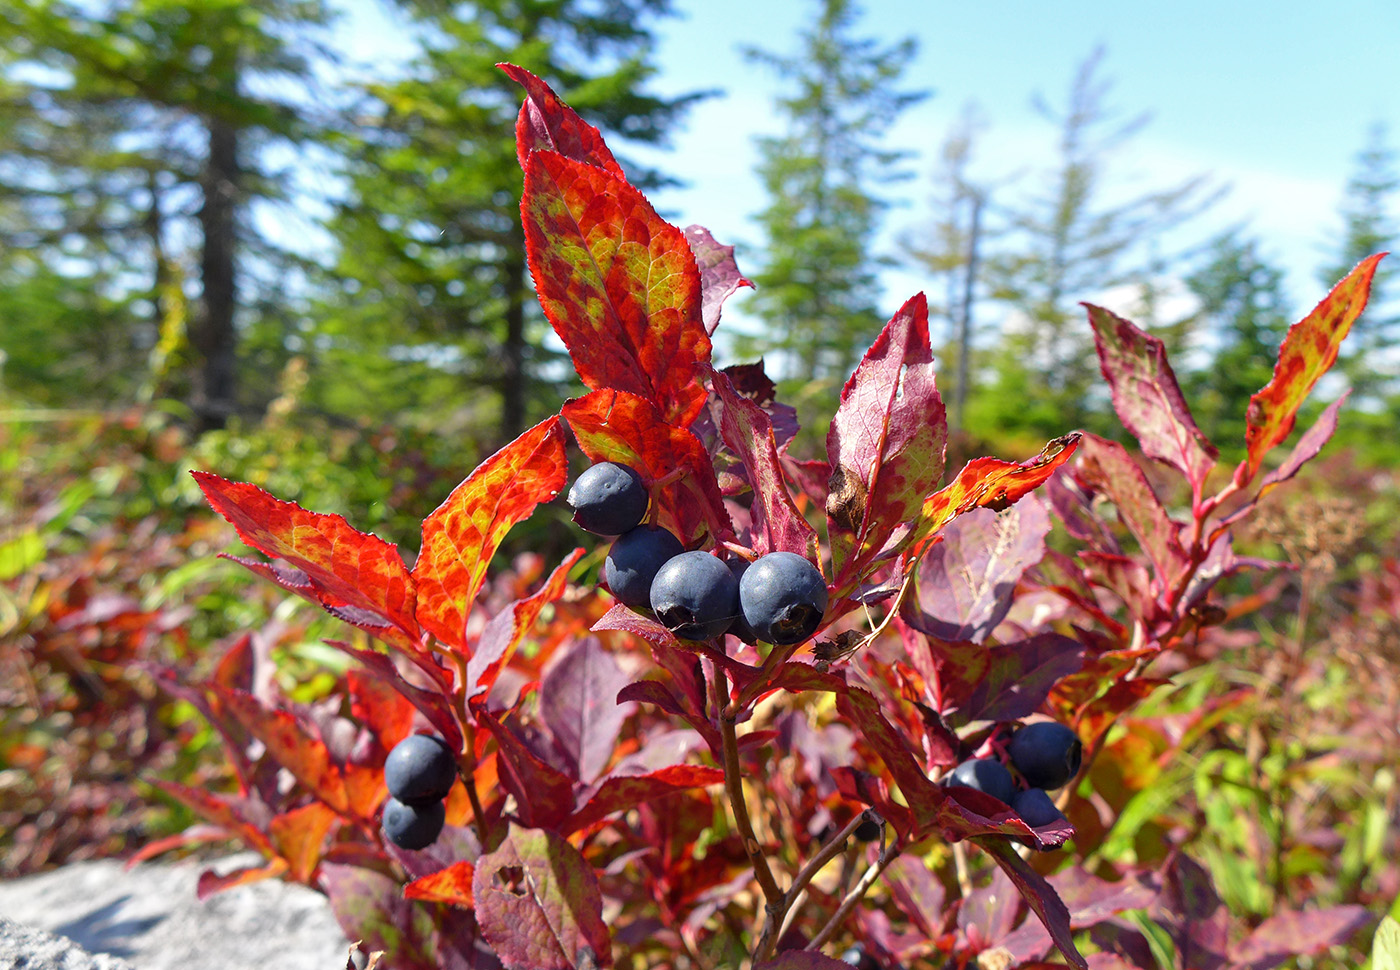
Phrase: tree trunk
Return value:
(214, 335)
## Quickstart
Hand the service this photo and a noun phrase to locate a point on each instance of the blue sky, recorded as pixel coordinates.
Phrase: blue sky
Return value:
(1272, 98)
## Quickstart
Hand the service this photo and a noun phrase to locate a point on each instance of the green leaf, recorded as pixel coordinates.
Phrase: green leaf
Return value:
(1385, 952)
(21, 553)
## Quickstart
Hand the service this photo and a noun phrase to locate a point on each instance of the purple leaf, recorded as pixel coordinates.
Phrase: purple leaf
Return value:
(1020, 676)
(538, 903)
(1090, 900)
(1074, 507)
(752, 382)
(886, 446)
(918, 894)
(1039, 895)
(746, 429)
(544, 796)
(719, 273)
(992, 908)
(1291, 933)
(369, 906)
(1192, 913)
(967, 581)
(1220, 562)
(578, 701)
(1147, 397)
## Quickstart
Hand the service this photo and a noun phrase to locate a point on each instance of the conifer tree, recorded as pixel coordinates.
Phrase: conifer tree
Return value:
(817, 291)
(436, 301)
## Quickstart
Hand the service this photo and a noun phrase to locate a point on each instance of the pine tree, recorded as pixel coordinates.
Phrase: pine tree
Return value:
(817, 291)
(436, 303)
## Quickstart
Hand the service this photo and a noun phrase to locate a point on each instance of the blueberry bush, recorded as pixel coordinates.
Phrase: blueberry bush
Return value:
(797, 708)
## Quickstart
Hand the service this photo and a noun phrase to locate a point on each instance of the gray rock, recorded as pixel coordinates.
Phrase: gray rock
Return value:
(25, 948)
(150, 917)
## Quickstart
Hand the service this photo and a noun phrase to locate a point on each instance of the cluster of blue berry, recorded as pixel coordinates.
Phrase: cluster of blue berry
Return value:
(778, 598)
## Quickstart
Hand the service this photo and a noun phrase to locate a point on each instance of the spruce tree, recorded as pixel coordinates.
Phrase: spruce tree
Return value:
(817, 291)
(1368, 226)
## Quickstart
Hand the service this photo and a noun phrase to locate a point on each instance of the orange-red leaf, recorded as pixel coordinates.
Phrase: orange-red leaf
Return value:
(299, 836)
(452, 886)
(292, 746)
(462, 535)
(618, 283)
(348, 566)
(1308, 350)
(210, 882)
(616, 426)
(222, 810)
(990, 483)
(376, 705)
(547, 123)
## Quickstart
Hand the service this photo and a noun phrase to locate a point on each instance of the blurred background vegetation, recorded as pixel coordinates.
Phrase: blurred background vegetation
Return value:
(220, 248)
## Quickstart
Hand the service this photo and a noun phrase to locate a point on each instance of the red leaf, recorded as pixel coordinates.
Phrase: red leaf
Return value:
(232, 814)
(1308, 350)
(548, 124)
(1106, 467)
(748, 431)
(966, 582)
(885, 445)
(990, 483)
(507, 628)
(1039, 895)
(461, 535)
(292, 746)
(299, 836)
(618, 283)
(719, 274)
(861, 710)
(210, 882)
(578, 703)
(434, 704)
(544, 796)
(452, 886)
(616, 426)
(538, 903)
(1147, 397)
(618, 794)
(349, 566)
(1307, 448)
(379, 707)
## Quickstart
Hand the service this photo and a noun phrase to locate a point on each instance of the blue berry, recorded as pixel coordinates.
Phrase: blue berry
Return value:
(1046, 754)
(782, 596)
(634, 560)
(984, 775)
(412, 826)
(608, 499)
(695, 596)
(420, 770)
(740, 627)
(1035, 808)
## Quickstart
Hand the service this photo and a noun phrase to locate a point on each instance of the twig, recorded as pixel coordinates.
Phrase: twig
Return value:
(960, 863)
(853, 897)
(734, 786)
(781, 917)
